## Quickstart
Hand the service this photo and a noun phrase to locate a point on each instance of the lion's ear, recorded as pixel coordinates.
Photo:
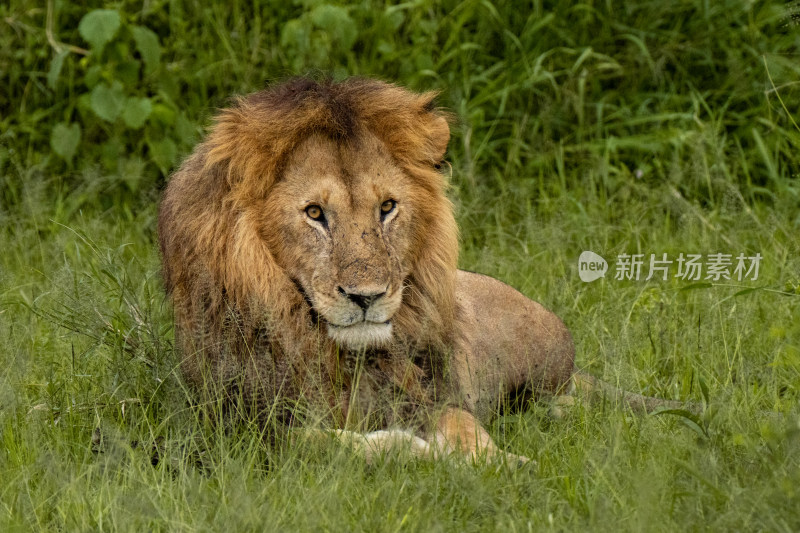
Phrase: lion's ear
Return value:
(439, 128)
(440, 137)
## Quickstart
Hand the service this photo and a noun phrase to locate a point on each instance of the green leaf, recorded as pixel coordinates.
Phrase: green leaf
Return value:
(385, 47)
(394, 17)
(688, 419)
(136, 112)
(704, 390)
(98, 27)
(148, 46)
(336, 22)
(94, 75)
(746, 291)
(163, 152)
(295, 34)
(55, 68)
(108, 102)
(695, 286)
(185, 130)
(64, 139)
(85, 103)
(163, 114)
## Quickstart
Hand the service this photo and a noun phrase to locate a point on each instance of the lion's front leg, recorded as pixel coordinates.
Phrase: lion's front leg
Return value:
(375, 446)
(378, 445)
(456, 434)
(459, 432)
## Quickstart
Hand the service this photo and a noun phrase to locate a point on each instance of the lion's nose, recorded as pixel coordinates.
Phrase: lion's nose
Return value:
(363, 298)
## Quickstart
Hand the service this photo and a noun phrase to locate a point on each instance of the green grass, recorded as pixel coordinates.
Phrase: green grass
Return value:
(616, 127)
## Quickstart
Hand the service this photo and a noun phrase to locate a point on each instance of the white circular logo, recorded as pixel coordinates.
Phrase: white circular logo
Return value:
(591, 266)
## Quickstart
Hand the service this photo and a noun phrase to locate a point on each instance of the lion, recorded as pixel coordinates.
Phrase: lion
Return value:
(310, 251)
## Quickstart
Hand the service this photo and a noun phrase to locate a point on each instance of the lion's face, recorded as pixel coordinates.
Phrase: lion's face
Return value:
(342, 221)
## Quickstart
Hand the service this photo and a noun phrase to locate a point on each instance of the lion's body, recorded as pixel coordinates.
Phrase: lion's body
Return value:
(310, 251)
(512, 345)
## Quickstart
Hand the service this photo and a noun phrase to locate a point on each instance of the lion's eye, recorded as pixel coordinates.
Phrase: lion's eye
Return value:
(314, 212)
(387, 207)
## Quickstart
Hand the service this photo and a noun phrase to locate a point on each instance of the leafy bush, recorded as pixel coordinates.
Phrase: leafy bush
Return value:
(122, 97)
(542, 94)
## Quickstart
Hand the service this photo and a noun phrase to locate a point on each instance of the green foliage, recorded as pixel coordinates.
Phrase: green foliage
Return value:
(98, 27)
(320, 32)
(148, 46)
(65, 139)
(107, 102)
(121, 107)
(553, 89)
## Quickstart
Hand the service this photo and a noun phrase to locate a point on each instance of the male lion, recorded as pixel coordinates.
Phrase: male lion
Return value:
(310, 252)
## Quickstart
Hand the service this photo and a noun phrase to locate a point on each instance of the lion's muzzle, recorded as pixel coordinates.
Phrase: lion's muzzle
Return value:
(361, 317)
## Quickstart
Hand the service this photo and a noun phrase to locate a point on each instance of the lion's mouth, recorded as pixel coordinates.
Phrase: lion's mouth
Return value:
(361, 335)
(357, 335)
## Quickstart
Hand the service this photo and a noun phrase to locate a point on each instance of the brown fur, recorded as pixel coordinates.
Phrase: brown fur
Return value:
(254, 282)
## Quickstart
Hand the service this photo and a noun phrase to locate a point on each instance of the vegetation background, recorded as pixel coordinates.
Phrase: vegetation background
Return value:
(612, 126)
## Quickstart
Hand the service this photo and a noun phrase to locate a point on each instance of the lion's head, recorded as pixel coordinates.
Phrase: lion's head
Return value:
(342, 221)
(314, 210)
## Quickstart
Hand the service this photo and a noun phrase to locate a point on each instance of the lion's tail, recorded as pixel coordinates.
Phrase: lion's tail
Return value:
(589, 387)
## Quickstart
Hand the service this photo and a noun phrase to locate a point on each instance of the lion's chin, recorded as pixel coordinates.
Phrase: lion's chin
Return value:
(361, 335)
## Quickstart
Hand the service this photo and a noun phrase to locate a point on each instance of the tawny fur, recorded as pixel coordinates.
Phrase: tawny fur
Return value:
(257, 286)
